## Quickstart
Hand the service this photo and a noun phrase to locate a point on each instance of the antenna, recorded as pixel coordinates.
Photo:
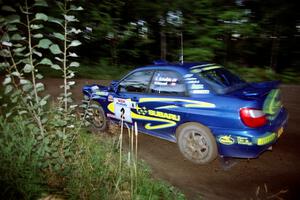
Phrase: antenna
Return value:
(181, 46)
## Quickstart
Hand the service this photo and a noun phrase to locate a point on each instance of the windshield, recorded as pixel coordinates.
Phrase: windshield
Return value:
(221, 80)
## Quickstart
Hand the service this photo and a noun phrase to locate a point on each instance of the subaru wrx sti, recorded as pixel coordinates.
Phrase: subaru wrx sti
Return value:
(203, 107)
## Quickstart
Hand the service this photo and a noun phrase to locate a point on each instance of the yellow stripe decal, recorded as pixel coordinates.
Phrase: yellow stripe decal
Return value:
(167, 123)
(166, 107)
(198, 104)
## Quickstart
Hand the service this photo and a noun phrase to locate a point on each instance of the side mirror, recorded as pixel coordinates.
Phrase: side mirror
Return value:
(113, 86)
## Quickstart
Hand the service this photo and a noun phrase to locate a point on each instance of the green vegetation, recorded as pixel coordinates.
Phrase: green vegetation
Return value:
(92, 173)
(44, 147)
(257, 74)
(100, 71)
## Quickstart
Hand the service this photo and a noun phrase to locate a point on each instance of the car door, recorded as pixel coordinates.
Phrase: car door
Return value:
(163, 104)
(129, 91)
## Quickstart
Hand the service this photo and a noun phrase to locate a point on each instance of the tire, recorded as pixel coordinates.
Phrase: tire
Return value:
(96, 116)
(196, 143)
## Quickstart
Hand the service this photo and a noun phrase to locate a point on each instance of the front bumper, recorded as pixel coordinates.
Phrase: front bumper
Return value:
(251, 143)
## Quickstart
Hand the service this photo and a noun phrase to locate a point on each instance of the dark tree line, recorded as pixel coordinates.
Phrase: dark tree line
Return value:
(242, 32)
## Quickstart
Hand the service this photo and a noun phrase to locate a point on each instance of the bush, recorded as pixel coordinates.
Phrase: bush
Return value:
(20, 176)
(96, 174)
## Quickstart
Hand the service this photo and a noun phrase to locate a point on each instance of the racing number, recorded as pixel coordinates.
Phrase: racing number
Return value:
(122, 113)
(122, 109)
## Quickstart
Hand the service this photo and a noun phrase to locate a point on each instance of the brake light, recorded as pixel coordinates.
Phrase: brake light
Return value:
(253, 117)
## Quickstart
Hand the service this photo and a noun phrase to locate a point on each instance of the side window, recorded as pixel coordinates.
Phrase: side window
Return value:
(167, 83)
(136, 82)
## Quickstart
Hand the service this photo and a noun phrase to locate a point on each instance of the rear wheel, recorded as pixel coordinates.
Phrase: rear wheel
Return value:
(197, 143)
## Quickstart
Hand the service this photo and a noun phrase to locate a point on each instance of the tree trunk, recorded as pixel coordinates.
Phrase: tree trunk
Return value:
(163, 46)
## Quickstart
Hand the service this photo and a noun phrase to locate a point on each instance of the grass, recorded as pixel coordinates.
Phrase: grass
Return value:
(97, 174)
(94, 169)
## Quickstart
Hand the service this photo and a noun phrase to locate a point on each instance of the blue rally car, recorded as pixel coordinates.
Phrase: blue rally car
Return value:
(204, 108)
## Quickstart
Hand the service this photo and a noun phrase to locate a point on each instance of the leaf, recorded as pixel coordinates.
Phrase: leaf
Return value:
(59, 59)
(54, 48)
(3, 64)
(39, 76)
(24, 82)
(73, 54)
(55, 20)
(5, 53)
(12, 19)
(8, 114)
(59, 36)
(43, 102)
(75, 43)
(75, 8)
(44, 43)
(8, 8)
(5, 43)
(7, 80)
(16, 36)
(46, 61)
(70, 18)
(18, 50)
(8, 89)
(74, 64)
(22, 112)
(17, 74)
(37, 53)
(40, 3)
(27, 87)
(12, 27)
(36, 26)
(39, 87)
(41, 16)
(56, 67)
(73, 30)
(39, 35)
(28, 68)
(71, 83)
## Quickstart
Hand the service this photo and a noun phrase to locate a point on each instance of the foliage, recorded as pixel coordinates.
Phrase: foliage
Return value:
(20, 158)
(97, 171)
(258, 74)
(43, 150)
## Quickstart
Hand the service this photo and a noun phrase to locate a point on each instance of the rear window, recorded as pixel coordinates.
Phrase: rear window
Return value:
(220, 79)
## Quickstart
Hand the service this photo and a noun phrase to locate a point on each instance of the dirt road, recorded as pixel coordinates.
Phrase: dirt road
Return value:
(273, 172)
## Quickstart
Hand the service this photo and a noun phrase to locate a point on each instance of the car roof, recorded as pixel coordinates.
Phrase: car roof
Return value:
(185, 65)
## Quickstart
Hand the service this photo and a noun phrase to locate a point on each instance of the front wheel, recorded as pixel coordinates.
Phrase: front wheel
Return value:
(197, 143)
(96, 116)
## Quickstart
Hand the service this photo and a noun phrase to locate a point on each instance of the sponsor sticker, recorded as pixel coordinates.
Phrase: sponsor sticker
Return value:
(123, 109)
(100, 93)
(193, 82)
(226, 140)
(188, 75)
(243, 141)
(200, 91)
(190, 79)
(110, 98)
(110, 115)
(197, 86)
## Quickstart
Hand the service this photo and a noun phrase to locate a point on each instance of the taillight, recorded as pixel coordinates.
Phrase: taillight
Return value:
(253, 117)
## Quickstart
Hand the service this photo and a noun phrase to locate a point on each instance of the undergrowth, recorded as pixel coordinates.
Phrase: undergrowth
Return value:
(44, 146)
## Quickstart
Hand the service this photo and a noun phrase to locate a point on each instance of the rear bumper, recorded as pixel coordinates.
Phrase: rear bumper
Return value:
(251, 143)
